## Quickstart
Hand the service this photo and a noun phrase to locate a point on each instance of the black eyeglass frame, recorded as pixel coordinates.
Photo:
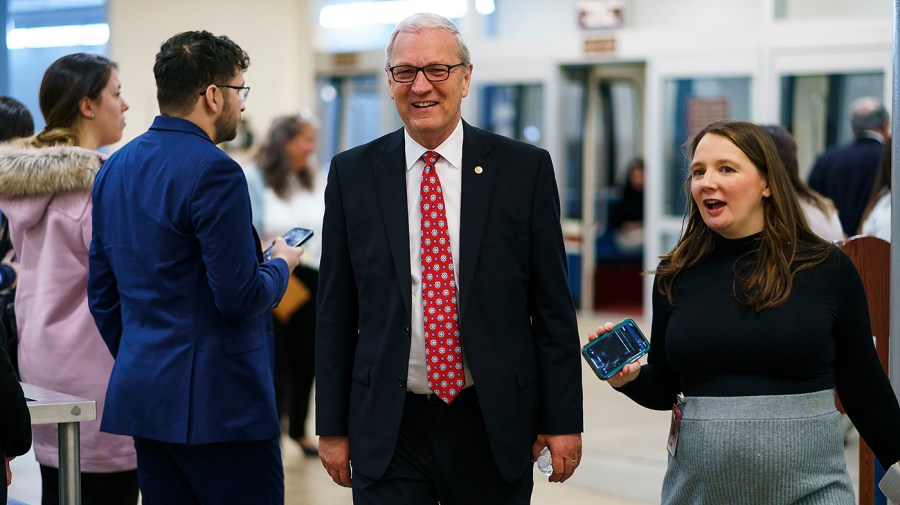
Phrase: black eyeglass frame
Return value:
(448, 68)
(243, 91)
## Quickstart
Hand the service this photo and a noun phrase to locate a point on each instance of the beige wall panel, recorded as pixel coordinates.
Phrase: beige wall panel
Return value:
(275, 33)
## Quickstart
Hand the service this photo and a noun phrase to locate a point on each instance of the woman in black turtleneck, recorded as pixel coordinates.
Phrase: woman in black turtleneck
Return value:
(755, 321)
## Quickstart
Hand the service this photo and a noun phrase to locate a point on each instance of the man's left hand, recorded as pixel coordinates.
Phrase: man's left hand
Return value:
(565, 454)
(8, 471)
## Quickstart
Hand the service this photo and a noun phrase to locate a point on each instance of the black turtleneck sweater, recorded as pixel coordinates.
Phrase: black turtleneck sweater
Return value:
(708, 344)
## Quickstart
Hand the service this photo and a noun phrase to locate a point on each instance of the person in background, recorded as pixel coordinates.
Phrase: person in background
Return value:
(447, 353)
(15, 122)
(15, 119)
(45, 192)
(627, 219)
(845, 174)
(820, 212)
(9, 271)
(877, 216)
(755, 321)
(15, 423)
(181, 295)
(286, 191)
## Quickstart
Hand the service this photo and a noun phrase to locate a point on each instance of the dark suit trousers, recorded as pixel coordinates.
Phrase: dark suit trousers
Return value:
(236, 473)
(442, 455)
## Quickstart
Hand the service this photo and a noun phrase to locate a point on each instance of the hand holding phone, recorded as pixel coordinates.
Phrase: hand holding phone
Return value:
(294, 238)
(615, 348)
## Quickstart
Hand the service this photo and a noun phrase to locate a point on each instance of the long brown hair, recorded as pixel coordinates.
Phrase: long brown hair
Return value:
(786, 245)
(272, 159)
(66, 82)
(882, 182)
(787, 150)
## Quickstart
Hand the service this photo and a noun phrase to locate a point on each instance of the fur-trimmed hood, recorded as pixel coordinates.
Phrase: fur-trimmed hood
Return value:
(34, 180)
(29, 172)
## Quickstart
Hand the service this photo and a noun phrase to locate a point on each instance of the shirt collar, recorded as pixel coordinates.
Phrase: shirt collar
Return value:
(450, 149)
(872, 134)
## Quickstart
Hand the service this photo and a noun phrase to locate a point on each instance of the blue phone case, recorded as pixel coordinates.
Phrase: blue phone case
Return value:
(609, 353)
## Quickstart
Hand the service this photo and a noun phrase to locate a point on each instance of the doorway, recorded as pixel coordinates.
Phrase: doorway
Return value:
(602, 133)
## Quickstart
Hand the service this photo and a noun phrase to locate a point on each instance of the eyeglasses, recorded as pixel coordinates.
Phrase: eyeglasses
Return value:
(434, 73)
(243, 91)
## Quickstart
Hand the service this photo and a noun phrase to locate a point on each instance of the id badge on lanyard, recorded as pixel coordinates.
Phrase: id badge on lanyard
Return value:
(672, 445)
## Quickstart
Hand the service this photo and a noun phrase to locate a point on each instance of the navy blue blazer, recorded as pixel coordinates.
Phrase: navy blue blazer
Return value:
(517, 319)
(846, 175)
(178, 292)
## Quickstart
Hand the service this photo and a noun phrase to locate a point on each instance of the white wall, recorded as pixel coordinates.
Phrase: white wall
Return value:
(276, 34)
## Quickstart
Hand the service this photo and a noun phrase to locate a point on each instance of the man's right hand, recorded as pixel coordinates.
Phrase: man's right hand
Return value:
(289, 254)
(335, 455)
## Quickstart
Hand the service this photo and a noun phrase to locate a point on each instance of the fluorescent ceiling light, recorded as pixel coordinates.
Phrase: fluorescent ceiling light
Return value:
(485, 7)
(374, 13)
(58, 36)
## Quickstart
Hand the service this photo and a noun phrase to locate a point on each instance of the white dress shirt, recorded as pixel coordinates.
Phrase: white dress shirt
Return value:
(449, 172)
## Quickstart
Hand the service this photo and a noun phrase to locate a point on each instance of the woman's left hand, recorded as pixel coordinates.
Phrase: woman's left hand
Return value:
(629, 372)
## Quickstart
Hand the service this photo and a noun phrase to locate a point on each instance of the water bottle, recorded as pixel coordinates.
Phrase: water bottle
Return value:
(544, 463)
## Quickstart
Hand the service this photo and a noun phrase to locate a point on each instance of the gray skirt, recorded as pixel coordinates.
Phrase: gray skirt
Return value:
(781, 449)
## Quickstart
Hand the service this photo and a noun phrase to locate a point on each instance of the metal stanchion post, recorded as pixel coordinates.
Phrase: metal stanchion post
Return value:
(69, 464)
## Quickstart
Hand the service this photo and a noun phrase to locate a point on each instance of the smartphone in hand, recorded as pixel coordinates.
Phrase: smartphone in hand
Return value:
(295, 237)
(610, 352)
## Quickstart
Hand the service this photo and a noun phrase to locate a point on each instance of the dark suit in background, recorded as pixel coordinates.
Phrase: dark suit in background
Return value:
(517, 320)
(845, 174)
(15, 421)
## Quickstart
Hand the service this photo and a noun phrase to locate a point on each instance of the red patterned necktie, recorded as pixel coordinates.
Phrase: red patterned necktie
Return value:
(443, 350)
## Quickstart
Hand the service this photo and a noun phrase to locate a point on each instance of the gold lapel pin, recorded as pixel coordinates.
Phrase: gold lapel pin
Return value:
(478, 170)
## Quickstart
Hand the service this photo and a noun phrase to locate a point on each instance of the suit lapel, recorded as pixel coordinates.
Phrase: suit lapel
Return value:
(478, 176)
(389, 174)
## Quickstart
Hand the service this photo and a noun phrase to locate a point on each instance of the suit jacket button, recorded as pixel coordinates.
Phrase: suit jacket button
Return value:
(401, 382)
(406, 330)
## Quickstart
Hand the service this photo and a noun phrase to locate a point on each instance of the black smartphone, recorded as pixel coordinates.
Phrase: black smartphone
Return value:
(611, 351)
(295, 237)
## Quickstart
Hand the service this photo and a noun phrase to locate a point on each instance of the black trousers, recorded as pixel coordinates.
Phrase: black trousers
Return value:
(442, 455)
(115, 488)
(295, 358)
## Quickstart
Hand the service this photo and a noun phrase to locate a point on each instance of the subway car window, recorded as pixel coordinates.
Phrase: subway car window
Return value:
(571, 123)
(515, 111)
(815, 109)
(350, 111)
(691, 104)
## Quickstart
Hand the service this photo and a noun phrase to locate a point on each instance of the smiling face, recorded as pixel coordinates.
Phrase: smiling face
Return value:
(430, 110)
(727, 188)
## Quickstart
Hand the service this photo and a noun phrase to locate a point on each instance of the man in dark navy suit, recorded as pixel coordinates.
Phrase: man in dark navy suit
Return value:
(179, 292)
(513, 378)
(845, 174)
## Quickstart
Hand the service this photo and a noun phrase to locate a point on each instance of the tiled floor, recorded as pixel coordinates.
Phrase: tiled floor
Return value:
(623, 464)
